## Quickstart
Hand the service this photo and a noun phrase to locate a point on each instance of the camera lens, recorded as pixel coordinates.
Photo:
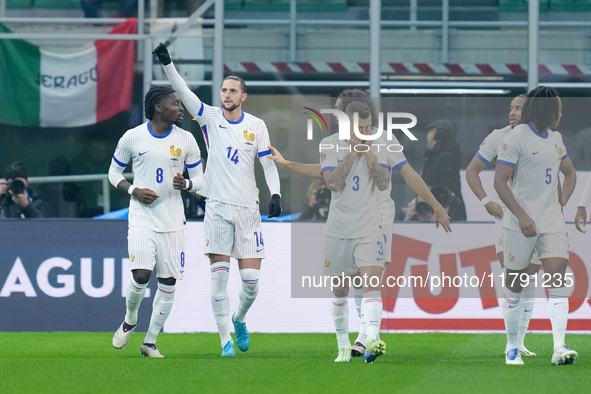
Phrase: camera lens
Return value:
(422, 208)
(17, 186)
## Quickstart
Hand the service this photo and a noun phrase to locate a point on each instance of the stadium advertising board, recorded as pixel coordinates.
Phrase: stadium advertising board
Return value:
(67, 275)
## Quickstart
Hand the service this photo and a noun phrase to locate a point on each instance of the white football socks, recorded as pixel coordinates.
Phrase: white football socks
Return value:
(558, 311)
(526, 307)
(219, 299)
(372, 312)
(133, 299)
(248, 292)
(357, 293)
(511, 310)
(161, 307)
(340, 317)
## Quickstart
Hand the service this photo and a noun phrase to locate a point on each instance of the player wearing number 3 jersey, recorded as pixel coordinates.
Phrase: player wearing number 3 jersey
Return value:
(232, 219)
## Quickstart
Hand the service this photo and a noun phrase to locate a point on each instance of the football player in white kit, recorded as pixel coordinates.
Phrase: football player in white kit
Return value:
(159, 152)
(232, 217)
(488, 151)
(526, 181)
(396, 162)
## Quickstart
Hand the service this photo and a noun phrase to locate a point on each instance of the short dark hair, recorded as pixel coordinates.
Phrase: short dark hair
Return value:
(237, 78)
(349, 96)
(362, 109)
(15, 170)
(446, 130)
(541, 107)
(154, 96)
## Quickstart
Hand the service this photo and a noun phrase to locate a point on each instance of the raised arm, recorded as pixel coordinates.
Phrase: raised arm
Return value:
(418, 185)
(380, 174)
(336, 178)
(189, 99)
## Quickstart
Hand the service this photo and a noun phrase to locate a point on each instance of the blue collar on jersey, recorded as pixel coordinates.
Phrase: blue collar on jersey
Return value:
(156, 135)
(536, 133)
(238, 121)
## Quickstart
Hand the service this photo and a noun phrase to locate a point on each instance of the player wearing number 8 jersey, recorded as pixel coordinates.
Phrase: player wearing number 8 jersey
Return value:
(159, 151)
(531, 156)
(232, 218)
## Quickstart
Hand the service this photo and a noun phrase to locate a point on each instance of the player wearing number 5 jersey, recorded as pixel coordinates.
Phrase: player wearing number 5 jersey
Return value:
(159, 152)
(488, 152)
(232, 218)
(526, 180)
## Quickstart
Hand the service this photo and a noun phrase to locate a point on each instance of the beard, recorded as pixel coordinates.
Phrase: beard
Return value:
(231, 107)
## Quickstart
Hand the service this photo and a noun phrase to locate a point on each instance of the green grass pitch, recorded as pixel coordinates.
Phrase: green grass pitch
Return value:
(283, 363)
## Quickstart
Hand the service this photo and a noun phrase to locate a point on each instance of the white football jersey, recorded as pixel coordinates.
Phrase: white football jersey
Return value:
(232, 149)
(354, 211)
(492, 144)
(155, 160)
(490, 148)
(536, 161)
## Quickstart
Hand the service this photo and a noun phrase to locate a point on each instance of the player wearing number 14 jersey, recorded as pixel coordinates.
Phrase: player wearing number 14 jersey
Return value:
(232, 218)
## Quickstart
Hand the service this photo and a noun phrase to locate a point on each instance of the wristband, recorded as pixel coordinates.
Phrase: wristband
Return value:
(187, 184)
(485, 200)
(131, 189)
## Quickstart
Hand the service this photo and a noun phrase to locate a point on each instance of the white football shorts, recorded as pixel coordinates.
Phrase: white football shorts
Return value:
(232, 230)
(149, 249)
(519, 249)
(499, 243)
(346, 256)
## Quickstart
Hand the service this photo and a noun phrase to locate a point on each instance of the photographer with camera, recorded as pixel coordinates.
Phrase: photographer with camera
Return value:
(17, 200)
(419, 210)
(442, 162)
(318, 202)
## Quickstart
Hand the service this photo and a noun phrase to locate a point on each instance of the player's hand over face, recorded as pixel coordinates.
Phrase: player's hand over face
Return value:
(581, 219)
(441, 217)
(162, 53)
(277, 157)
(178, 182)
(527, 226)
(494, 209)
(3, 187)
(145, 196)
(354, 141)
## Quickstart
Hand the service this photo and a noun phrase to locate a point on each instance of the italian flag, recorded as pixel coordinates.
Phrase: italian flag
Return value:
(79, 88)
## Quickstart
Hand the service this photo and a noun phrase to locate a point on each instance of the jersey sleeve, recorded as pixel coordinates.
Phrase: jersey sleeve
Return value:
(122, 155)
(395, 160)
(510, 149)
(328, 157)
(489, 148)
(198, 109)
(193, 158)
(560, 147)
(262, 142)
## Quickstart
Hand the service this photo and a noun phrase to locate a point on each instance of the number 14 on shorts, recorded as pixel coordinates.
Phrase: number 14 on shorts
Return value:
(258, 235)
